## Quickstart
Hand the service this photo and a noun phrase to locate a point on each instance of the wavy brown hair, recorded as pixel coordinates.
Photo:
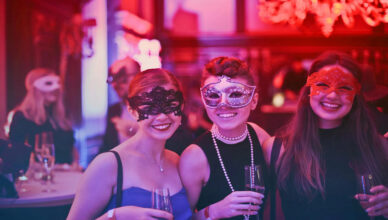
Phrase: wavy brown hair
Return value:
(302, 160)
(228, 66)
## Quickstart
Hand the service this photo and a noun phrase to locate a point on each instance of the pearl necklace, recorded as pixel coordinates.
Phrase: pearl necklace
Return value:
(222, 162)
(219, 136)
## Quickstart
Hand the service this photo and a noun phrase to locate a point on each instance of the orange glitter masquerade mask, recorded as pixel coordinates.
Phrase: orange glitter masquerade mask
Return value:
(333, 79)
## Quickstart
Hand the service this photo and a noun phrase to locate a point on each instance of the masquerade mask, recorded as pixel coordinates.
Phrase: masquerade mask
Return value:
(227, 93)
(333, 79)
(157, 101)
(47, 83)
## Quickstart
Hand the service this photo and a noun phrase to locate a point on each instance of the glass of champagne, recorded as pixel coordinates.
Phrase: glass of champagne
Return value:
(365, 182)
(45, 154)
(254, 180)
(161, 199)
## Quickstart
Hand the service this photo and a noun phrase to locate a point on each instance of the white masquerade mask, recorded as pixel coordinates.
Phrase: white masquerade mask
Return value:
(227, 93)
(47, 83)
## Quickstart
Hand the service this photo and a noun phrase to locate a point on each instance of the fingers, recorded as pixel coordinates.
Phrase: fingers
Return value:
(245, 207)
(160, 214)
(379, 203)
(379, 188)
(248, 193)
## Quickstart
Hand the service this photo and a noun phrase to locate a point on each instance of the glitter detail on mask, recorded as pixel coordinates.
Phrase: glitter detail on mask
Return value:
(334, 79)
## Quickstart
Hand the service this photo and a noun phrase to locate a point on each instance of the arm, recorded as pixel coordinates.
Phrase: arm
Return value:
(260, 132)
(193, 161)
(95, 188)
(19, 128)
(193, 170)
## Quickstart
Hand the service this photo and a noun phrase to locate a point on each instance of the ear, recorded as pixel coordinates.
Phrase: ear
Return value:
(255, 100)
(133, 112)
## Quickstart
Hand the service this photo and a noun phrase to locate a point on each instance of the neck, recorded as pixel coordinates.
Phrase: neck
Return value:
(328, 124)
(231, 133)
(149, 147)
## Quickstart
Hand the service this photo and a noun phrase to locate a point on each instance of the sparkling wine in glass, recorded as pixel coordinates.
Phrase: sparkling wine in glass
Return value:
(161, 199)
(365, 182)
(254, 180)
(45, 154)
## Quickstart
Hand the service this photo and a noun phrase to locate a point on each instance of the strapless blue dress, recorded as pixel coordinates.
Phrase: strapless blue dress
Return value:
(136, 196)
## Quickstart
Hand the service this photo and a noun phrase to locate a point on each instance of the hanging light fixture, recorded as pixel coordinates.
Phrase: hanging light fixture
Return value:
(326, 12)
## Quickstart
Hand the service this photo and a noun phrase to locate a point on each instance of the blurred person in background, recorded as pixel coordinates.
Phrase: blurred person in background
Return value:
(42, 110)
(376, 97)
(118, 184)
(120, 125)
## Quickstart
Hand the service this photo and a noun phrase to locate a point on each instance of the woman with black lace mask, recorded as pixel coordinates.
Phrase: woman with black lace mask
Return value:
(118, 183)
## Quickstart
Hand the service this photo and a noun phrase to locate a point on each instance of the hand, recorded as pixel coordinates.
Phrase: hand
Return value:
(378, 201)
(237, 203)
(134, 212)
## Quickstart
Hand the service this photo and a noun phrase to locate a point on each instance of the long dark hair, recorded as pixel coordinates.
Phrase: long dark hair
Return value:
(302, 159)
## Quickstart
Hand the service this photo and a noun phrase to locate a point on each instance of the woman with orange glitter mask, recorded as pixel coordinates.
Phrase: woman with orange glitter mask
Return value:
(330, 141)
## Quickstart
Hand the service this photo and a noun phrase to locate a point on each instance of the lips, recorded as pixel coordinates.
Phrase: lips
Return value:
(162, 127)
(330, 106)
(226, 115)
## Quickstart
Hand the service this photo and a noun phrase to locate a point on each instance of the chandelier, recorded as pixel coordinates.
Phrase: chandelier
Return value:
(326, 12)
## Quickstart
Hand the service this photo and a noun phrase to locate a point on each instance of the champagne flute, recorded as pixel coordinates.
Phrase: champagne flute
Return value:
(161, 199)
(254, 181)
(365, 182)
(45, 153)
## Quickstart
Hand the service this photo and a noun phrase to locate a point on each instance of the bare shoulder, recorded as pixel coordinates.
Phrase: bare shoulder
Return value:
(104, 165)
(261, 133)
(193, 158)
(172, 156)
(267, 149)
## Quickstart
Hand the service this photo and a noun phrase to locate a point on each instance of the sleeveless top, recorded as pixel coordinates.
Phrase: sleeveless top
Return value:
(235, 157)
(136, 196)
(340, 187)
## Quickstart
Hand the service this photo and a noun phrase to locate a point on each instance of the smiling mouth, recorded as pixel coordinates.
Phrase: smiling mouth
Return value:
(162, 127)
(226, 115)
(330, 106)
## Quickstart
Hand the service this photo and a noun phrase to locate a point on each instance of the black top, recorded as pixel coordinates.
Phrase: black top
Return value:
(235, 157)
(22, 130)
(340, 187)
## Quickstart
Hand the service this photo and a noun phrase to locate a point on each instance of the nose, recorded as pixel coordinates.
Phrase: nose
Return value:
(161, 116)
(332, 94)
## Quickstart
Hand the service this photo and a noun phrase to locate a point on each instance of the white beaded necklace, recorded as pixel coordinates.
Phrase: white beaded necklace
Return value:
(219, 136)
(222, 162)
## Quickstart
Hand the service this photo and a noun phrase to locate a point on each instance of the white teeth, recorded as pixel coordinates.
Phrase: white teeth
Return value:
(161, 127)
(330, 105)
(226, 115)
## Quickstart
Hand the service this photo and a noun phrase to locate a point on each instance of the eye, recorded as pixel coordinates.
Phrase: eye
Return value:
(174, 104)
(48, 83)
(348, 88)
(236, 94)
(144, 107)
(321, 84)
(212, 95)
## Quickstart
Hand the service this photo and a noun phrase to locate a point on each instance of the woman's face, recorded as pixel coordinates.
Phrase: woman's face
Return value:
(332, 91)
(49, 86)
(161, 112)
(222, 101)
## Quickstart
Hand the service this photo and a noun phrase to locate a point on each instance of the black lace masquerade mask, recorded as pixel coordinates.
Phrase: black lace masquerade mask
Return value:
(157, 101)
